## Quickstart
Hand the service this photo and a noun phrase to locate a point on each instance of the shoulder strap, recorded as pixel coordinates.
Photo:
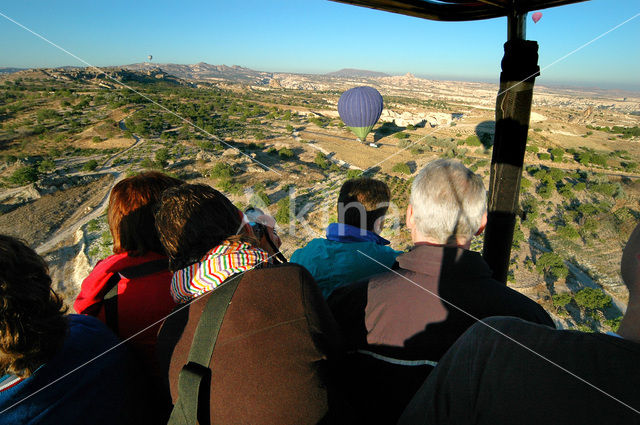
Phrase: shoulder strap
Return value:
(110, 300)
(185, 410)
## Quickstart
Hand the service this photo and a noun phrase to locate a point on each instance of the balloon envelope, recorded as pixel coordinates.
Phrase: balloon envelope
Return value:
(359, 109)
(150, 57)
(536, 17)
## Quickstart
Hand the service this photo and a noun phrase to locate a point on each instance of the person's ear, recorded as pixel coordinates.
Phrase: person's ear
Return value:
(378, 225)
(483, 224)
(410, 220)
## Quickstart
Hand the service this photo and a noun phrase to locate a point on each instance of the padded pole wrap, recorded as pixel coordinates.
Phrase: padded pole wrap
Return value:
(513, 109)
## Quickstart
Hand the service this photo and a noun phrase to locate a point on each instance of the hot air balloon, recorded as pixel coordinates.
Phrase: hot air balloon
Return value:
(150, 57)
(536, 17)
(360, 108)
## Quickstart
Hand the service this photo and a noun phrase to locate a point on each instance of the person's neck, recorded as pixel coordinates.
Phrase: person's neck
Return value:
(420, 238)
(630, 324)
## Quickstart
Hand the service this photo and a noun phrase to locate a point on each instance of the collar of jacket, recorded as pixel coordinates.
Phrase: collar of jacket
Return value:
(438, 260)
(340, 232)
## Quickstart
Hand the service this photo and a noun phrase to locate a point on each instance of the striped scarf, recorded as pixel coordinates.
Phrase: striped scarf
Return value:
(217, 265)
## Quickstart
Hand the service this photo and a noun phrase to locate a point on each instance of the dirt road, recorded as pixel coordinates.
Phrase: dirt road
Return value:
(66, 233)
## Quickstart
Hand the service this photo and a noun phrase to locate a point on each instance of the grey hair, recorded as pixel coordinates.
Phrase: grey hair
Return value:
(448, 201)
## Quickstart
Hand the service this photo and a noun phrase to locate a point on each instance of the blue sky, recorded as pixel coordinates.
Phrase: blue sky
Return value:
(318, 36)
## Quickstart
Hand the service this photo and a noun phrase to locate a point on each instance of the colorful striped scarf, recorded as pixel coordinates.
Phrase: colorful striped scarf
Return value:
(217, 265)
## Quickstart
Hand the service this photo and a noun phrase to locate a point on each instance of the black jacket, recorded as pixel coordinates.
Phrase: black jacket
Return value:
(398, 322)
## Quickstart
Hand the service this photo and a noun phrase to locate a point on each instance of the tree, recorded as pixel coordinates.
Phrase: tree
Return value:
(46, 166)
(162, 155)
(551, 263)
(472, 141)
(285, 153)
(545, 190)
(46, 114)
(561, 300)
(221, 170)
(90, 165)
(24, 175)
(592, 299)
(260, 197)
(353, 174)
(401, 167)
(283, 214)
(321, 161)
(568, 232)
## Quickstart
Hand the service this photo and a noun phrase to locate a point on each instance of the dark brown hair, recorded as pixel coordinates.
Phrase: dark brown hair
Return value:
(192, 219)
(131, 207)
(32, 322)
(362, 201)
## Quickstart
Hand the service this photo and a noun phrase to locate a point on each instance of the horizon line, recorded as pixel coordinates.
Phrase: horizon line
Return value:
(487, 80)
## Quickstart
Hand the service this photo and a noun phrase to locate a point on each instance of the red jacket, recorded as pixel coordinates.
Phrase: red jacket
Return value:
(141, 301)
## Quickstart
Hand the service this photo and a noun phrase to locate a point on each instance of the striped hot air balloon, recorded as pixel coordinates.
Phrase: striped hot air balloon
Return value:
(359, 109)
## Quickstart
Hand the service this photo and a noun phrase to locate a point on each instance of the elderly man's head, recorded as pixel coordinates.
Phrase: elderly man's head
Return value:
(448, 204)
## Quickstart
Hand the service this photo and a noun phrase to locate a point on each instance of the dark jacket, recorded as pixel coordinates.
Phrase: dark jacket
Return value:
(487, 378)
(269, 365)
(412, 315)
(90, 380)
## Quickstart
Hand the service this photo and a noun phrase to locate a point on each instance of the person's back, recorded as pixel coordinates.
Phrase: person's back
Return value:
(87, 381)
(141, 300)
(338, 260)
(402, 322)
(487, 378)
(269, 364)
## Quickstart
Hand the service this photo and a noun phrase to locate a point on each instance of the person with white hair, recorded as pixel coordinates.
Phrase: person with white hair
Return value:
(400, 323)
(558, 376)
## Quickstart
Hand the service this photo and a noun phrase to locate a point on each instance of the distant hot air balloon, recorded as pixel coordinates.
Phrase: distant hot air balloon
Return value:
(150, 57)
(360, 108)
(536, 17)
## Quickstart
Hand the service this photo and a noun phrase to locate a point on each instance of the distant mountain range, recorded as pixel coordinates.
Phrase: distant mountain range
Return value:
(205, 71)
(4, 70)
(235, 73)
(356, 73)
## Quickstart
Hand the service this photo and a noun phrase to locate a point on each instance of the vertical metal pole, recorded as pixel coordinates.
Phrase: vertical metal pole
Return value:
(516, 26)
(513, 110)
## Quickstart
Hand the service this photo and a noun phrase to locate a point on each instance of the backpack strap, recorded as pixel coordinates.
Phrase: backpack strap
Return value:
(110, 300)
(185, 410)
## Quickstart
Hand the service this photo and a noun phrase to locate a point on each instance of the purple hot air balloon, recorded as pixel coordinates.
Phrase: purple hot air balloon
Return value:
(360, 108)
(536, 17)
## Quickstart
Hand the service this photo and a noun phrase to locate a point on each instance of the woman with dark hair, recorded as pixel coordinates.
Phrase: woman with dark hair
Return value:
(129, 290)
(57, 369)
(271, 329)
(200, 227)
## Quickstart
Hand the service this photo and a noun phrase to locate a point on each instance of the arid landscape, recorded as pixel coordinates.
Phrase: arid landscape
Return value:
(272, 140)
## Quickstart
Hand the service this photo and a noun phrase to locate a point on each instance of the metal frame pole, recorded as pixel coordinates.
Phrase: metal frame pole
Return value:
(513, 110)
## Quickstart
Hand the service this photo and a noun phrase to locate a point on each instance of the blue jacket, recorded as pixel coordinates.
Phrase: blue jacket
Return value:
(335, 261)
(101, 391)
